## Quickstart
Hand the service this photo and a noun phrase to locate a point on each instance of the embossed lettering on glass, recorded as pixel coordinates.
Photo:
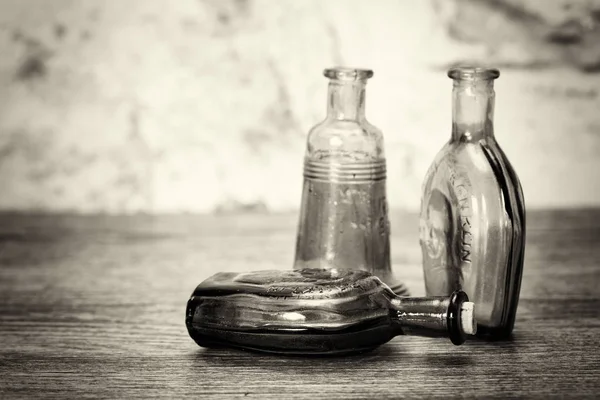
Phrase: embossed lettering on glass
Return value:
(344, 218)
(472, 229)
(317, 311)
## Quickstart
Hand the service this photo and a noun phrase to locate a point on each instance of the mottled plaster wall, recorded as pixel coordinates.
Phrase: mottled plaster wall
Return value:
(196, 106)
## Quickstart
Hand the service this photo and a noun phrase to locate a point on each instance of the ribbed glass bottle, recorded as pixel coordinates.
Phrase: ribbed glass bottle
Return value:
(344, 217)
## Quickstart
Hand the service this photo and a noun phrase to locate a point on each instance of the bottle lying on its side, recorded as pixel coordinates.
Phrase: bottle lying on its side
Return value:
(317, 312)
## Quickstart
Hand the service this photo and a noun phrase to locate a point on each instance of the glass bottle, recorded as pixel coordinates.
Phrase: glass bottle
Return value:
(317, 311)
(472, 226)
(344, 217)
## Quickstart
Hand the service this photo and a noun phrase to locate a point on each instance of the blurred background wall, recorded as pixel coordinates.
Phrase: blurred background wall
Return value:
(204, 105)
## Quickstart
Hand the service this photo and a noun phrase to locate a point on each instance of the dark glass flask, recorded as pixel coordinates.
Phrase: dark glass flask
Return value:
(317, 312)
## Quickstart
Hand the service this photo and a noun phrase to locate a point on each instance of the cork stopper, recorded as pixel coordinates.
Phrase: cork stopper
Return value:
(467, 318)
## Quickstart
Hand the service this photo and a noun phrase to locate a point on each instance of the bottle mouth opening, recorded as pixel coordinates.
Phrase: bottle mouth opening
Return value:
(348, 74)
(472, 73)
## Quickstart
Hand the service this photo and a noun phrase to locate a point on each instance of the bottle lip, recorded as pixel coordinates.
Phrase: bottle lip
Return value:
(471, 73)
(453, 318)
(348, 74)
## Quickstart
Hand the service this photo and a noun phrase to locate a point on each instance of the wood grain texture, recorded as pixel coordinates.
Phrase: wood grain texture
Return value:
(94, 307)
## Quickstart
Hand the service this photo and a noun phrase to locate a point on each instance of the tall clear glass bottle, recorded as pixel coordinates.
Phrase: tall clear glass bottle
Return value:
(472, 229)
(344, 216)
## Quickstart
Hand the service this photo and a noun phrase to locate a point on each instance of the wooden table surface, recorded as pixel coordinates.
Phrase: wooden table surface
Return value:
(94, 307)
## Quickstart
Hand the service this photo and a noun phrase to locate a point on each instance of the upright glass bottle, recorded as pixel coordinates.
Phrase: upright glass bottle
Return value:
(344, 216)
(472, 229)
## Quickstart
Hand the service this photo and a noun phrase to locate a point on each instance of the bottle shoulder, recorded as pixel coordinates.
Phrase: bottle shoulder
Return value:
(349, 128)
(468, 159)
(463, 174)
(356, 139)
(475, 173)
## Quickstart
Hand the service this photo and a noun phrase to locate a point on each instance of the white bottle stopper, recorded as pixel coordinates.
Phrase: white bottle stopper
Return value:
(467, 318)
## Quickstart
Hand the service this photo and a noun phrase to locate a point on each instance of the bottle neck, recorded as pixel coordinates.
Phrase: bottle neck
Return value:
(472, 110)
(451, 316)
(346, 100)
